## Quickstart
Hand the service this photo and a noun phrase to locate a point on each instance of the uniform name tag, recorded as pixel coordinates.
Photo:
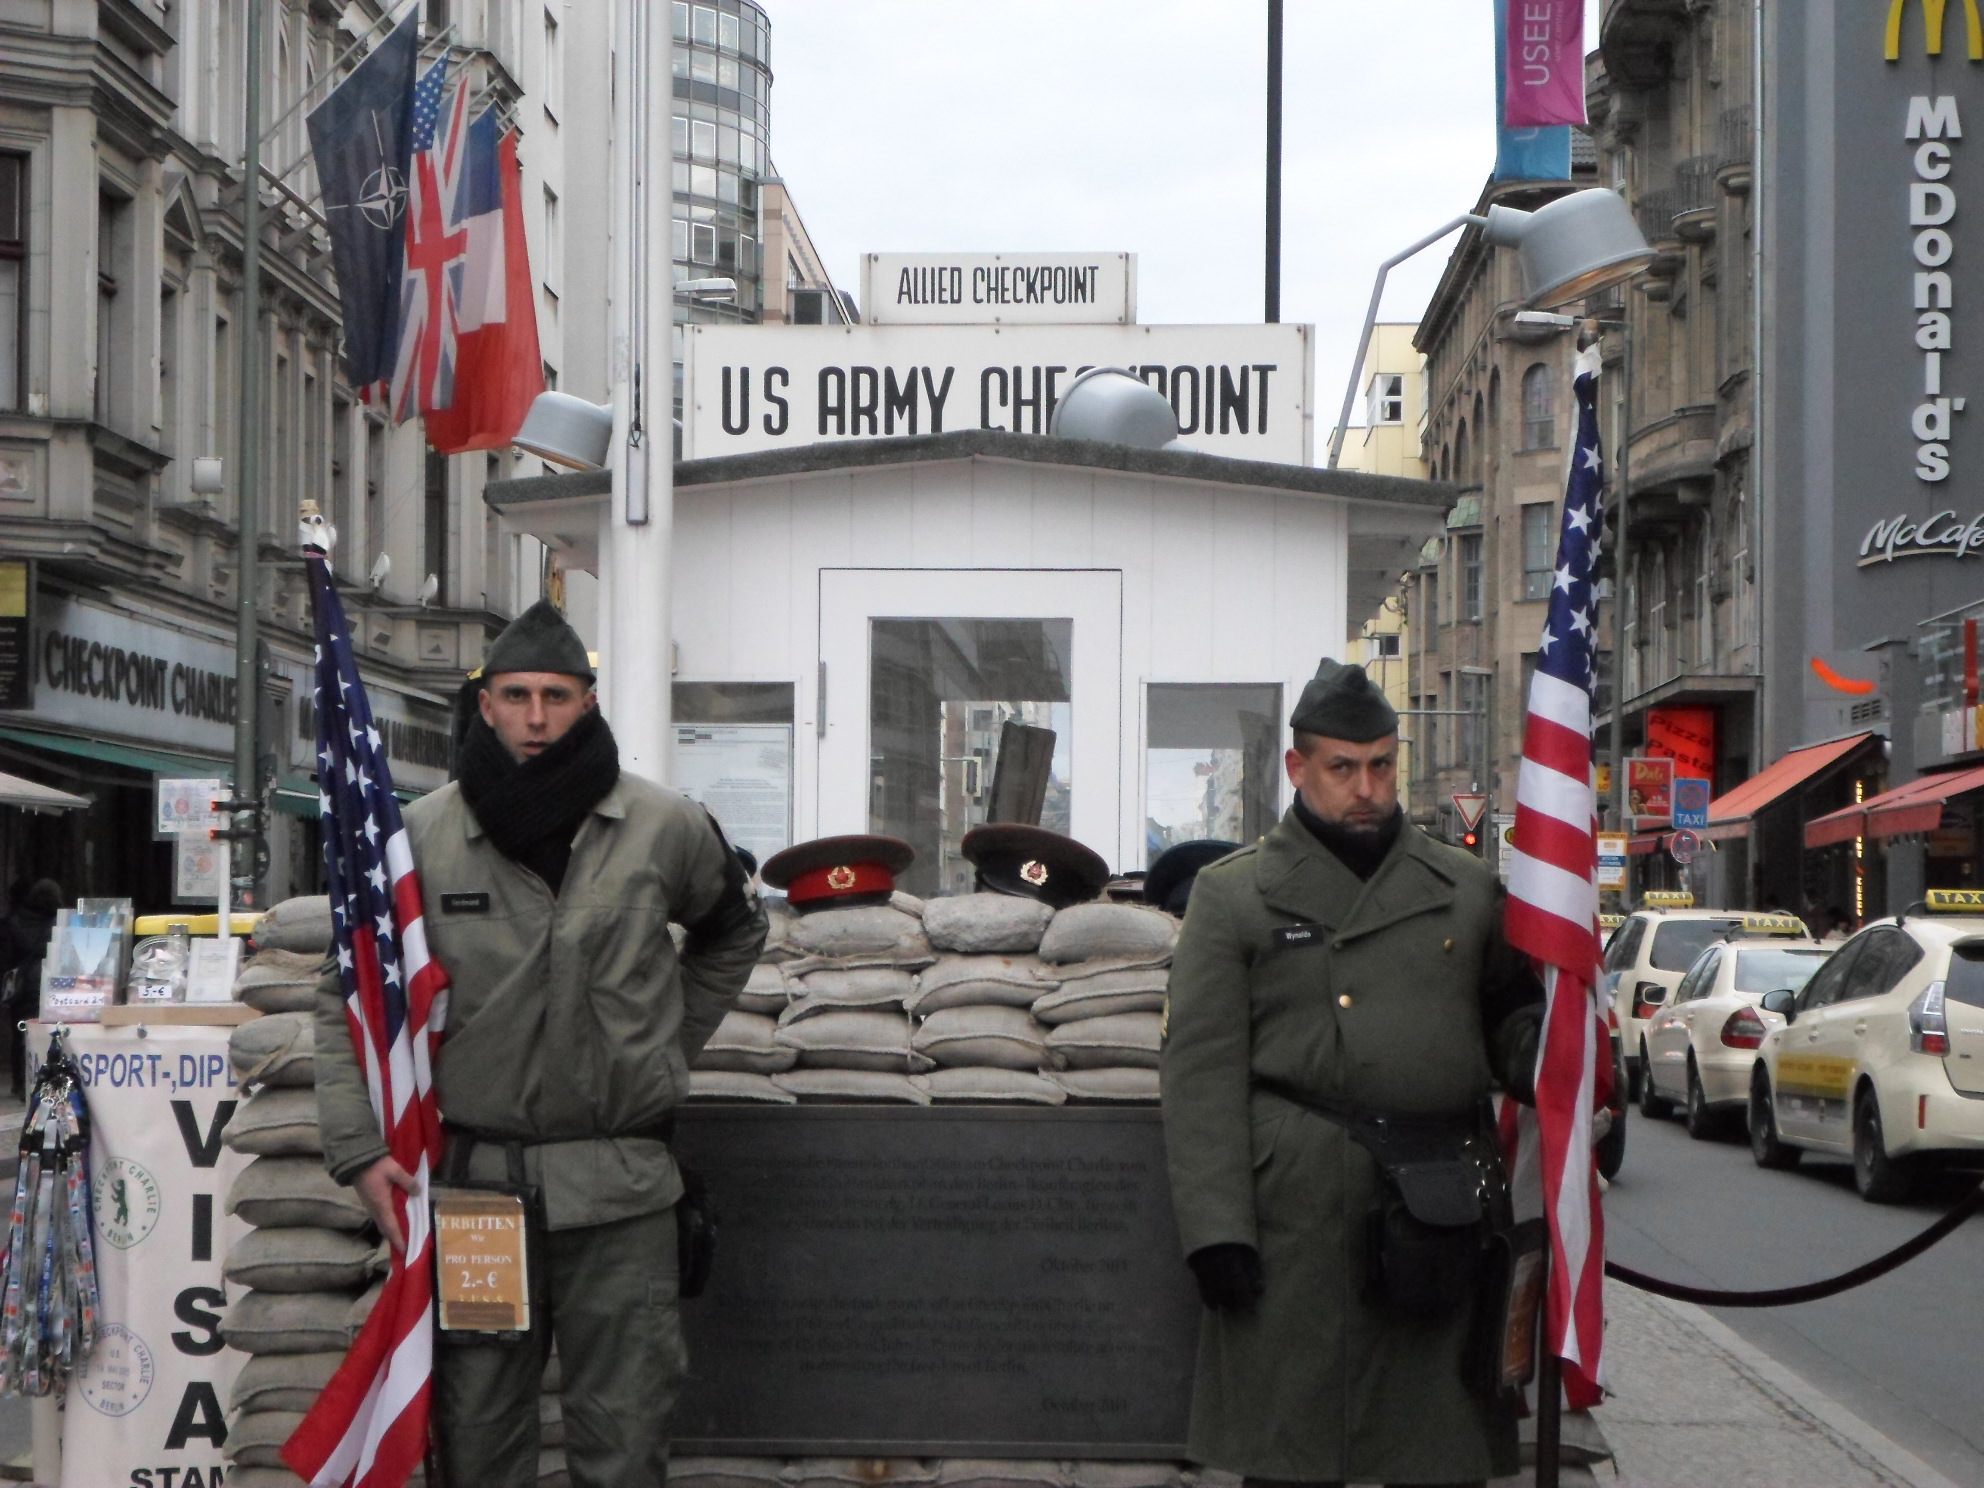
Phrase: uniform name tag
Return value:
(1294, 937)
(481, 1261)
(465, 904)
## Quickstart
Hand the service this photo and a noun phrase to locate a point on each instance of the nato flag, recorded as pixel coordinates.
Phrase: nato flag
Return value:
(360, 136)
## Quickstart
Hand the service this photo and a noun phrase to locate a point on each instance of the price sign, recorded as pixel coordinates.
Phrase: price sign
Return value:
(480, 1261)
(188, 805)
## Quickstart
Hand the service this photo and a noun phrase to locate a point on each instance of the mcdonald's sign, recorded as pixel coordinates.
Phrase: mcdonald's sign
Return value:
(1932, 28)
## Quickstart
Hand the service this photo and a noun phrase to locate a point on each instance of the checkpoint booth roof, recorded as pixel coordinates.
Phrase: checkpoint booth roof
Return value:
(855, 620)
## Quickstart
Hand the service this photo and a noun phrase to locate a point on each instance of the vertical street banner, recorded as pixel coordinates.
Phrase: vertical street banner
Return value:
(150, 1406)
(1525, 152)
(1543, 64)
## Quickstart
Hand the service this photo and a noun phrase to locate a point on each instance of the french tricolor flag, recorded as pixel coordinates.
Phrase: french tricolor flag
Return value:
(498, 368)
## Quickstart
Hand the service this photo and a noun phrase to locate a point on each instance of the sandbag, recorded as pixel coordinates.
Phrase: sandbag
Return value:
(780, 917)
(1084, 932)
(300, 924)
(857, 1039)
(765, 991)
(977, 924)
(362, 1305)
(280, 981)
(283, 1382)
(726, 1472)
(979, 981)
(288, 1322)
(852, 987)
(272, 1122)
(909, 904)
(1107, 1085)
(867, 929)
(1117, 1041)
(735, 1085)
(275, 1192)
(255, 1438)
(979, 1085)
(987, 1472)
(851, 1086)
(1123, 1475)
(301, 1259)
(276, 1049)
(743, 1042)
(857, 1472)
(1129, 991)
(997, 1037)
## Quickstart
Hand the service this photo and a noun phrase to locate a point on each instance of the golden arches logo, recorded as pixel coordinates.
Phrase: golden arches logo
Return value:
(1932, 28)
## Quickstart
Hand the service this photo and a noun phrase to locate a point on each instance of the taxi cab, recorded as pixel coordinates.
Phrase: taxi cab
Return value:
(1646, 957)
(1701, 1044)
(1881, 1057)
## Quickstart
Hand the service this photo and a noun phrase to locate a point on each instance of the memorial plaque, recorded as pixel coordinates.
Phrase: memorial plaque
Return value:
(966, 1282)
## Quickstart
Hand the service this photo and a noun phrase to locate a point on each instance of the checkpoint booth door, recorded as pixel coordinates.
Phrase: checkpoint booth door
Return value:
(923, 669)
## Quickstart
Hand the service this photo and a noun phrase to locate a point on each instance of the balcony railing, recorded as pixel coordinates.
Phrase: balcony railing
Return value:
(1655, 211)
(1733, 135)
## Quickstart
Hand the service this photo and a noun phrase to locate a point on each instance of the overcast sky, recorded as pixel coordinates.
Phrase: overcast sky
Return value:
(989, 125)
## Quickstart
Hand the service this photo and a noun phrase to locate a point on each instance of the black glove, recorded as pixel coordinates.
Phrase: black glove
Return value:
(1515, 1044)
(1229, 1276)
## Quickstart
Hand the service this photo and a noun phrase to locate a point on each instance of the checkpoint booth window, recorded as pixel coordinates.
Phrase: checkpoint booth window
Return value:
(733, 753)
(1212, 762)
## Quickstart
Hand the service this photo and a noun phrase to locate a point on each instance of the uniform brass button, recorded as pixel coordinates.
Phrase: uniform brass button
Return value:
(1336, 945)
(1450, 943)
(1344, 1000)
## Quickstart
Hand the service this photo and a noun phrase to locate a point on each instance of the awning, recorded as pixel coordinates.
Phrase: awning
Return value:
(1914, 807)
(151, 761)
(1644, 844)
(30, 796)
(1729, 815)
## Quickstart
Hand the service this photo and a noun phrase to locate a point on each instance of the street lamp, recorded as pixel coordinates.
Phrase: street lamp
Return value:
(1569, 249)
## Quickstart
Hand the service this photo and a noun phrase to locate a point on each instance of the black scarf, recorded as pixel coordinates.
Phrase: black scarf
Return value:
(532, 810)
(1360, 852)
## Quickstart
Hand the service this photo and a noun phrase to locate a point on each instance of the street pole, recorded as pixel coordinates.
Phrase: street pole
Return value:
(1623, 437)
(635, 650)
(1273, 310)
(245, 814)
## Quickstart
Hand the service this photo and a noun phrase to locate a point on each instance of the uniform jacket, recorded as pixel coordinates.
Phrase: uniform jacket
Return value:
(1292, 971)
(571, 1020)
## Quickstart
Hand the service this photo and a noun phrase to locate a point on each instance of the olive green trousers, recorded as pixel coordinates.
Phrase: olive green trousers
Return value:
(611, 1303)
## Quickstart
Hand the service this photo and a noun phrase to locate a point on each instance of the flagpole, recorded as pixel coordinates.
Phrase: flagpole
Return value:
(245, 817)
(1549, 1398)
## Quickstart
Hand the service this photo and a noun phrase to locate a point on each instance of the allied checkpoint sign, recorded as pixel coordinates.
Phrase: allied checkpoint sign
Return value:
(931, 1282)
(999, 288)
(1243, 391)
(150, 1405)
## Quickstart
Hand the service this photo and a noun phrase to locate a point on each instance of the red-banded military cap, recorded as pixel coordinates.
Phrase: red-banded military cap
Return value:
(1014, 858)
(836, 872)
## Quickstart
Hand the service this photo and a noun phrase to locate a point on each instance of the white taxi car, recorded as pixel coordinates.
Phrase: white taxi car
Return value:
(1648, 955)
(1881, 1058)
(1700, 1046)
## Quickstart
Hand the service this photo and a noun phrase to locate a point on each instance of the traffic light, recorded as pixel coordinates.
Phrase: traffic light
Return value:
(1470, 838)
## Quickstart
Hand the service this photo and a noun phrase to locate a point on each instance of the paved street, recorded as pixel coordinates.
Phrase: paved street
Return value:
(1900, 1352)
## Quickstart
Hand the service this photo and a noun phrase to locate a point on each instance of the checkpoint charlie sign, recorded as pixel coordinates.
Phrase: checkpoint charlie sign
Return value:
(999, 288)
(1242, 391)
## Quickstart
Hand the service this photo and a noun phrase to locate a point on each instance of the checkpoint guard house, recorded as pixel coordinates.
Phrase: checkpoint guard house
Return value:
(881, 558)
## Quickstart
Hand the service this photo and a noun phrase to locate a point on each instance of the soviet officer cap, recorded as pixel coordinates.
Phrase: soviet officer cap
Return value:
(838, 872)
(1169, 883)
(1341, 702)
(540, 640)
(1034, 863)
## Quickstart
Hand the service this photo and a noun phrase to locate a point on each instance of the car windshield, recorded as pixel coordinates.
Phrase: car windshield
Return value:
(1766, 971)
(1677, 942)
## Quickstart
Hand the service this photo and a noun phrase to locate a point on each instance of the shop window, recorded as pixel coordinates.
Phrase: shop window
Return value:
(1539, 408)
(1212, 766)
(945, 698)
(733, 753)
(1538, 549)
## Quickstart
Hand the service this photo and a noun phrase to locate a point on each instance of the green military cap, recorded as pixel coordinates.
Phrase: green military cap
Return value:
(540, 640)
(1341, 702)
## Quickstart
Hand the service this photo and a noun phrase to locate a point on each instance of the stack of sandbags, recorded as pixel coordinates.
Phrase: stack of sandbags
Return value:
(846, 1019)
(1105, 1019)
(972, 1005)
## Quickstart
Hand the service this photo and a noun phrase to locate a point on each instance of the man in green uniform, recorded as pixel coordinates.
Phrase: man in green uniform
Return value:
(1346, 966)
(551, 880)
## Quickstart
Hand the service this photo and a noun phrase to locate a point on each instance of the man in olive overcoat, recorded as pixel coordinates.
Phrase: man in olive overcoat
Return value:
(551, 881)
(1344, 962)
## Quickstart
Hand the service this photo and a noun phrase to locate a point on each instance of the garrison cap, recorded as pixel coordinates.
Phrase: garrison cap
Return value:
(1169, 883)
(540, 640)
(1034, 863)
(1341, 702)
(838, 872)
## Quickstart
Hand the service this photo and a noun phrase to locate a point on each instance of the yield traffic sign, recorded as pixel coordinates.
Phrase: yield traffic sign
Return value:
(1470, 805)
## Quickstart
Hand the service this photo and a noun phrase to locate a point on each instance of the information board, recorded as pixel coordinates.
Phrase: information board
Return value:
(743, 773)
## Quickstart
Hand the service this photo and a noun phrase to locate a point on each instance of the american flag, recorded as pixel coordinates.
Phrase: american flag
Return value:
(1553, 915)
(436, 248)
(369, 1427)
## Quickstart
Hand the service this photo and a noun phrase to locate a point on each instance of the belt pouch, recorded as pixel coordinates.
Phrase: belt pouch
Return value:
(1427, 1226)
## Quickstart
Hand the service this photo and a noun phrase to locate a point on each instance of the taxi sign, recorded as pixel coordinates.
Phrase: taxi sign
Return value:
(1954, 901)
(1667, 899)
(1610, 922)
(1774, 924)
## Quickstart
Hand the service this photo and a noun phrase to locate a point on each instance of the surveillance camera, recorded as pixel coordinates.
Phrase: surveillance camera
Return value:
(382, 568)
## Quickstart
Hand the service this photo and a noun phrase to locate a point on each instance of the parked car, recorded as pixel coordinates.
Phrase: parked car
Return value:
(1701, 1044)
(1881, 1056)
(1653, 950)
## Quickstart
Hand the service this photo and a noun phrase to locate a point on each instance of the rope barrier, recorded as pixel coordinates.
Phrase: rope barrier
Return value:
(1810, 1291)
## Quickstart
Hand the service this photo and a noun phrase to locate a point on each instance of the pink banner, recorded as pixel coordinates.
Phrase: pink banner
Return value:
(1545, 81)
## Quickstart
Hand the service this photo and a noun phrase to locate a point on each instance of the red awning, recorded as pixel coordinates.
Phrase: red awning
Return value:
(1914, 807)
(1639, 846)
(1729, 815)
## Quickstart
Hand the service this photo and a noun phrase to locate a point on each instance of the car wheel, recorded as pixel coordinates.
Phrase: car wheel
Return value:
(1881, 1179)
(1611, 1149)
(1652, 1102)
(1765, 1146)
(1702, 1122)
